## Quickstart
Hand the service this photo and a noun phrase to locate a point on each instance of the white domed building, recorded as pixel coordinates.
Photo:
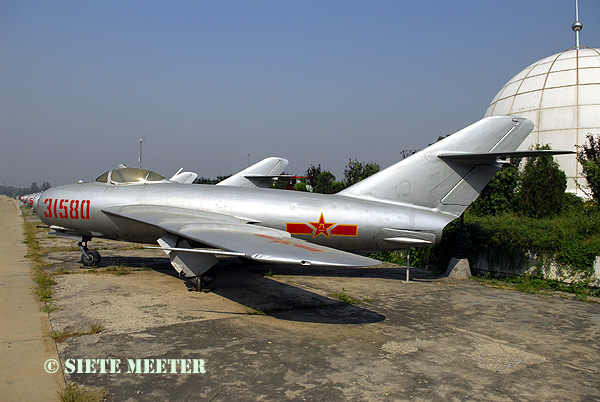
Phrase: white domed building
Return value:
(561, 95)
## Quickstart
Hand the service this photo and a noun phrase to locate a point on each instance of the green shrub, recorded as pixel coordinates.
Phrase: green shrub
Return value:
(498, 196)
(541, 190)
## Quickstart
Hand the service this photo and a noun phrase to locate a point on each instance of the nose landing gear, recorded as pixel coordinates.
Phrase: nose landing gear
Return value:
(89, 258)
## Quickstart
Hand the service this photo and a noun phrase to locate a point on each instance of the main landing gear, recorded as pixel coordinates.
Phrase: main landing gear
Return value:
(202, 282)
(89, 258)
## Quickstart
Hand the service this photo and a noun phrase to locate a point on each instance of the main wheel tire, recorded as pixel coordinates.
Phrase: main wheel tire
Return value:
(209, 276)
(92, 259)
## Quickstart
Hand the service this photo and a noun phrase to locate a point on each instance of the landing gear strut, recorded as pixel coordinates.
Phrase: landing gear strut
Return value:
(203, 281)
(89, 258)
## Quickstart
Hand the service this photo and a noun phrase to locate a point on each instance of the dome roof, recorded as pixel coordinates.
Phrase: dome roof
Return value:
(561, 95)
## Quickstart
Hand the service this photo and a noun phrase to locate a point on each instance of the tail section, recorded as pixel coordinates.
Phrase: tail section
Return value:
(261, 174)
(450, 174)
(184, 177)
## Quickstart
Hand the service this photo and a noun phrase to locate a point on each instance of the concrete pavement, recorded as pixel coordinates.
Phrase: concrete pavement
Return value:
(276, 332)
(24, 344)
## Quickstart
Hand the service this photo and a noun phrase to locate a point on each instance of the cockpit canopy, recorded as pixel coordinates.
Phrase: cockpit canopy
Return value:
(130, 176)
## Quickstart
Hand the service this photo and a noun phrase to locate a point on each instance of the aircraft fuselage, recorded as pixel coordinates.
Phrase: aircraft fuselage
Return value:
(342, 222)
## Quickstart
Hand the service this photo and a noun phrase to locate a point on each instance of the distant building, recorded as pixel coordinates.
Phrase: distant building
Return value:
(561, 95)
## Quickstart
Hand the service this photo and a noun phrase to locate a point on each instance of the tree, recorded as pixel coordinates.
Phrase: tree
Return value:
(541, 191)
(313, 173)
(588, 156)
(300, 186)
(326, 184)
(283, 183)
(45, 186)
(499, 195)
(221, 178)
(34, 188)
(11, 191)
(405, 153)
(205, 180)
(356, 171)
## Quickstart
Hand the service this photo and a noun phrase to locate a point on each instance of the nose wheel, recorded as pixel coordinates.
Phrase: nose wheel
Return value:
(89, 258)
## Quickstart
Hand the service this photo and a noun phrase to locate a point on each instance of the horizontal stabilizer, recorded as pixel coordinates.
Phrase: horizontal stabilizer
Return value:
(491, 157)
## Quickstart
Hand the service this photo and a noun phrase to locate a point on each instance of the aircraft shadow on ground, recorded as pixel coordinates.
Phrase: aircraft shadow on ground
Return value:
(246, 284)
(157, 264)
(394, 273)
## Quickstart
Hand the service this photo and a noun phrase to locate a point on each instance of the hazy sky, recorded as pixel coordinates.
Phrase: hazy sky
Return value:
(208, 82)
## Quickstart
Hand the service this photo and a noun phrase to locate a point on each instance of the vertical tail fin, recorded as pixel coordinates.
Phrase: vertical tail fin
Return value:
(261, 174)
(450, 174)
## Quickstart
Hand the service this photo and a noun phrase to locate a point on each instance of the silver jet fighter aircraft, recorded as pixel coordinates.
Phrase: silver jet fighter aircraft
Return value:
(405, 205)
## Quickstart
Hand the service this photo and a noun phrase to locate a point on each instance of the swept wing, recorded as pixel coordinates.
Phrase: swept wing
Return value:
(218, 234)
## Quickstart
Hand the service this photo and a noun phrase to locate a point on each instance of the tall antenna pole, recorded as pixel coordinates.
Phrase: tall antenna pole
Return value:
(577, 25)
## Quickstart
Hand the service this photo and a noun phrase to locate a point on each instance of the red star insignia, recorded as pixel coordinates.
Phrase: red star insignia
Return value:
(321, 227)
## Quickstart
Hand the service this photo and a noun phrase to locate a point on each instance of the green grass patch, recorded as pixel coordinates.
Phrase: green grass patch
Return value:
(252, 311)
(44, 281)
(62, 271)
(345, 297)
(49, 307)
(79, 393)
(283, 309)
(60, 336)
(34, 250)
(57, 249)
(97, 326)
(117, 270)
